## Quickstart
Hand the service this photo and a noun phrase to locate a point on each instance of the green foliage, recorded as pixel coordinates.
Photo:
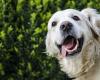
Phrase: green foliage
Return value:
(23, 27)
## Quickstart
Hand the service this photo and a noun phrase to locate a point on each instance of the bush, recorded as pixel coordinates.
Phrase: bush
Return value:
(23, 27)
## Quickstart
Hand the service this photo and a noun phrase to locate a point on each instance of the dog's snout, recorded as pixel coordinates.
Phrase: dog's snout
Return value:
(66, 26)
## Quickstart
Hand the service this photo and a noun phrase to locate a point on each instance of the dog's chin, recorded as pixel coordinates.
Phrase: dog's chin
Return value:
(70, 46)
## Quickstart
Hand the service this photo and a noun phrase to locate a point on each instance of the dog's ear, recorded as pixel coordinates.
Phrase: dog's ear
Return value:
(94, 19)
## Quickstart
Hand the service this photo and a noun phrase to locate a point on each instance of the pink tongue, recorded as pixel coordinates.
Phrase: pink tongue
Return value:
(67, 46)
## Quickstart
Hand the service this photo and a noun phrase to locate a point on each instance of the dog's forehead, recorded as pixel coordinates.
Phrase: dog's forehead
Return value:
(66, 13)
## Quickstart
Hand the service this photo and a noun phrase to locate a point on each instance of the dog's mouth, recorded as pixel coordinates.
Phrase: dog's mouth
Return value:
(71, 46)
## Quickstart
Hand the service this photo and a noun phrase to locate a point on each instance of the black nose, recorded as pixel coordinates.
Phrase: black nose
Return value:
(66, 26)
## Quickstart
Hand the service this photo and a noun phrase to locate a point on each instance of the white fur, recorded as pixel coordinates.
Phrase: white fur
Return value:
(84, 65)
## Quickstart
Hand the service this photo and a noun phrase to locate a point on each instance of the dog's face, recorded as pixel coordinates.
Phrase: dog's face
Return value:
(70, 38)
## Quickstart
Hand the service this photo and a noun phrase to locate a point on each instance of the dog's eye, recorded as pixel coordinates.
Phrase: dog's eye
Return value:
(76, 18)
(54, 23)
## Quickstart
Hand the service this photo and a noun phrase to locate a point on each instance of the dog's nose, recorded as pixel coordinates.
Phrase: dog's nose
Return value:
(66, 26)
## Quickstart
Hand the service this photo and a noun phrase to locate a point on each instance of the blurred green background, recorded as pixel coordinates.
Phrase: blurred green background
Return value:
(23, 28)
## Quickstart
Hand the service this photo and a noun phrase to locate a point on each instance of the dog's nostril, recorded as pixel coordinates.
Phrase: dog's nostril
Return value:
(69, 24)
(63, 27)
(66, 26)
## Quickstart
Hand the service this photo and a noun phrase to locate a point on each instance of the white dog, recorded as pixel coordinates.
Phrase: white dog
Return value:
(74, 39)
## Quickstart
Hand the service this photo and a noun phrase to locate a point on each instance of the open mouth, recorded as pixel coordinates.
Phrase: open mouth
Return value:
(71, 46)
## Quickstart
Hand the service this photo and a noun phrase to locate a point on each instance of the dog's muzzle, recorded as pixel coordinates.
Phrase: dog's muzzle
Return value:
(70, 44)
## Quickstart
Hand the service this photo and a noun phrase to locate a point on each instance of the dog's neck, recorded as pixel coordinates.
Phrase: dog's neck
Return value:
(94, 72)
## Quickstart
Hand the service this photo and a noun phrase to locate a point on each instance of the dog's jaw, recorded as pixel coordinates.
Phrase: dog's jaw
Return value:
(70, 46)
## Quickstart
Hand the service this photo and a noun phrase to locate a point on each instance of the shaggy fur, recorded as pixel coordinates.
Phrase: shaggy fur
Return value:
(85, 65)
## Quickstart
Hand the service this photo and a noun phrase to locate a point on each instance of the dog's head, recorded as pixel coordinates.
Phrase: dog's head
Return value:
(70, 37)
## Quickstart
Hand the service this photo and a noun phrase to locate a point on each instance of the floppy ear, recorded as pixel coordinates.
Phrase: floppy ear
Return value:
(94, 19)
